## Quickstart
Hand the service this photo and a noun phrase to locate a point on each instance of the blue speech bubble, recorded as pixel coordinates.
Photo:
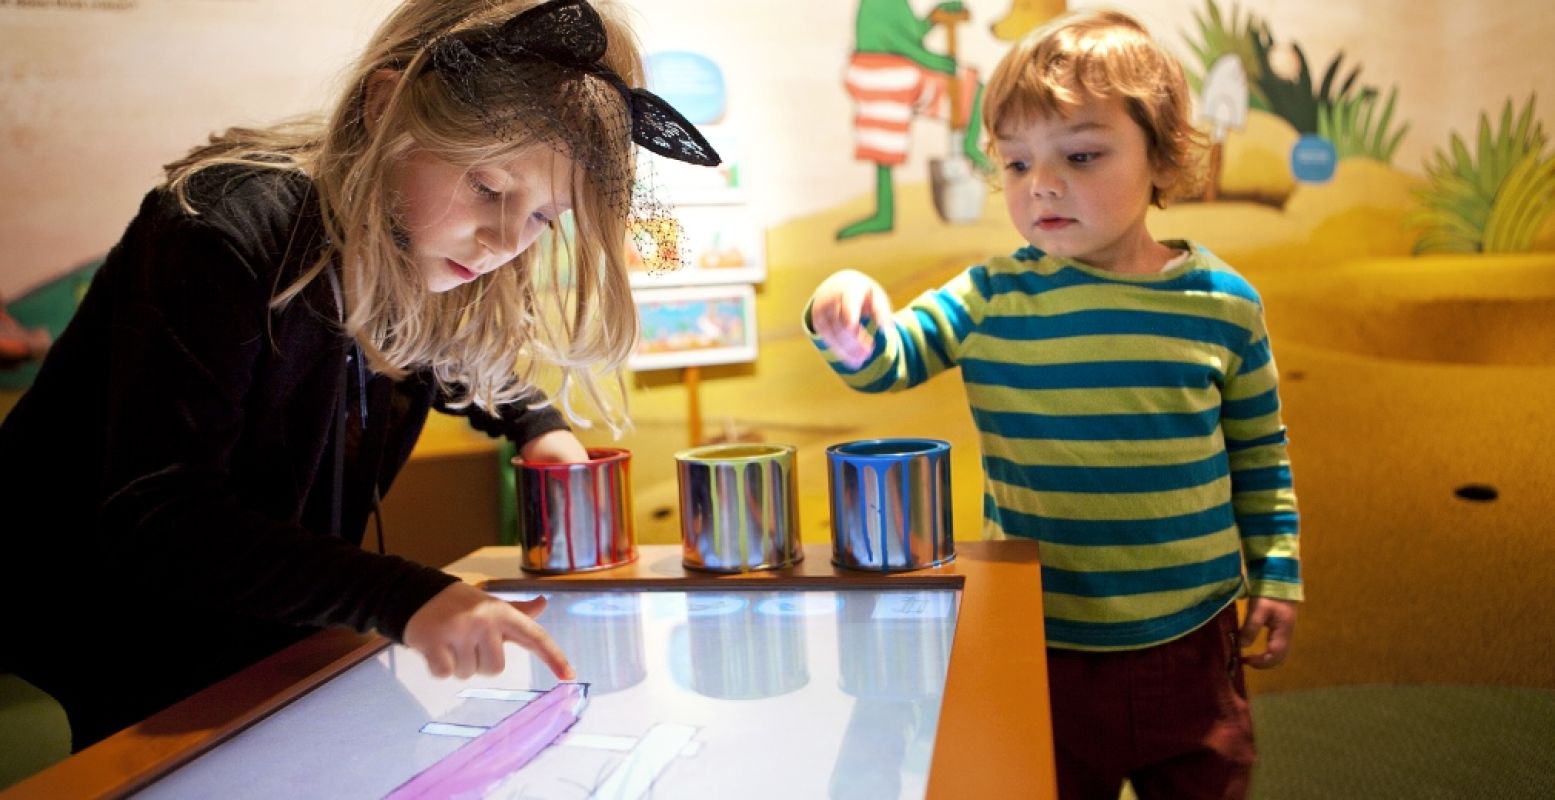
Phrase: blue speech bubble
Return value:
(1313, 159)
(691, 83)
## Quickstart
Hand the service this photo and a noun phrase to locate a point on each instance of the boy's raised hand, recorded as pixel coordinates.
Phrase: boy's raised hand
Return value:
(1279, 616)
(838, 310)
(461, 630)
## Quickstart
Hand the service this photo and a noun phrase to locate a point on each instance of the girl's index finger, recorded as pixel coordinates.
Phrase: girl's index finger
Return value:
(528, 634)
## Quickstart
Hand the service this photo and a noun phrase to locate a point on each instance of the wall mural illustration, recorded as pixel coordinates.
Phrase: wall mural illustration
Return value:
(1492, 199)
(893, 78)
(1240, 88)
(1277, 120)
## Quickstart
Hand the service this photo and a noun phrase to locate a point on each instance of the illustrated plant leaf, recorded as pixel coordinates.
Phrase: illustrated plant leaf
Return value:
(1220, 35)
(1393, 143)
(1491, 200)
(1383, 150)
(1294, 99)
(1525, 200)
(1351, 123)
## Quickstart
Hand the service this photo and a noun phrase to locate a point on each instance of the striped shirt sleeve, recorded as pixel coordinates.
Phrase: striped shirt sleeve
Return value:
(918, 341)
(1262, 490)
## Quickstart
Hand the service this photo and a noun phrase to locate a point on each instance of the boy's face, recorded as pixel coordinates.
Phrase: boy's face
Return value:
(1079, 186)
(465, 222)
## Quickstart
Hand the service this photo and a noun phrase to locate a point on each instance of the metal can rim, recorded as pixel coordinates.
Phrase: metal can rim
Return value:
(729, 453)
(597, 456)
(923, 447)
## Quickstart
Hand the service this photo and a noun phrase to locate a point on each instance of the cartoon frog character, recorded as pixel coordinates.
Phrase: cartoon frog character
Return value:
(892, 78)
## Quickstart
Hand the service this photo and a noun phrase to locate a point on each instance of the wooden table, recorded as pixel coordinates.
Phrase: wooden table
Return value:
(993, 740)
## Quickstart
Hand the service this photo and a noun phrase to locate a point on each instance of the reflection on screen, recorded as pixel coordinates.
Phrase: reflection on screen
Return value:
(691, 694)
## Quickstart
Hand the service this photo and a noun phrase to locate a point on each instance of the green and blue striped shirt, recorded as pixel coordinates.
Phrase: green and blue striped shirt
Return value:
(1129, 423)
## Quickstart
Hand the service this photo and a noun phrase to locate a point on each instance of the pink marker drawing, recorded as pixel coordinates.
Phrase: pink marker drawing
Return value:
(483, 762)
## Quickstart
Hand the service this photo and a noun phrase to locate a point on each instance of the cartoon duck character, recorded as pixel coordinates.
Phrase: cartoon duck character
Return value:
(1024, 16)
(892, 78)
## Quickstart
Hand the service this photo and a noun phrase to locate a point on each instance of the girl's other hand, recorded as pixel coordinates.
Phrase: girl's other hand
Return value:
(556, 447)
(839, 310)
(461, 632)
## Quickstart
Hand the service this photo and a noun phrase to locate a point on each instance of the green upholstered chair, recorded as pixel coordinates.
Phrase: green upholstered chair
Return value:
(50, 307)
(33, 730)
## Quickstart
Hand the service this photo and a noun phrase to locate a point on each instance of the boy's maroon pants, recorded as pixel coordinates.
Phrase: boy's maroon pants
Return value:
(1172, 719)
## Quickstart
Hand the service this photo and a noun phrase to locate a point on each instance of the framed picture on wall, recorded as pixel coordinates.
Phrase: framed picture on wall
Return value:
(719, 244)
(693, 326)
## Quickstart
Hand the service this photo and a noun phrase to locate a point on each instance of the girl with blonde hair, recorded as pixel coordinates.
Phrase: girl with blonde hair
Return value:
(256, 357)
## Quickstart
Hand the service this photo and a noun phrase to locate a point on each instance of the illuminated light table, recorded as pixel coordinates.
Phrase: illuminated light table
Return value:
(812, 681)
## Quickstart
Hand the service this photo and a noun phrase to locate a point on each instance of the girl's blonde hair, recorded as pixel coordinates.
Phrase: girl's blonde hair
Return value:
(566, 307)
(1103, 54)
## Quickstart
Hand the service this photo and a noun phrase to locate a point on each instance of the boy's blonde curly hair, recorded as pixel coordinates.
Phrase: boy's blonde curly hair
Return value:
(1102, 54)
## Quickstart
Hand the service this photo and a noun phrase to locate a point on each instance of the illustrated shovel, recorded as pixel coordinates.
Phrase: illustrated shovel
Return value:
(957, 186)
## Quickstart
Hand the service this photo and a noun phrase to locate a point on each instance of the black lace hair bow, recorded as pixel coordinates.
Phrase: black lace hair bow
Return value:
(569, 34)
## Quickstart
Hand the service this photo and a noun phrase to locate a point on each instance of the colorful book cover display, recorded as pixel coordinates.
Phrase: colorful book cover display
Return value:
(704, 312)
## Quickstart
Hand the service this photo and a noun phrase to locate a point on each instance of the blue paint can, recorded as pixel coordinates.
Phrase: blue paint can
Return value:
(890, 504)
